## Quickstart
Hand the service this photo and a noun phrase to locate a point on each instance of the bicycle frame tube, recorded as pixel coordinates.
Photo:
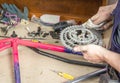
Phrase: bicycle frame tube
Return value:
(15, 42)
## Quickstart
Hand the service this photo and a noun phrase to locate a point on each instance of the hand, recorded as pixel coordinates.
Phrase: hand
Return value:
(92, 53)
(12, 8)
(104, 15)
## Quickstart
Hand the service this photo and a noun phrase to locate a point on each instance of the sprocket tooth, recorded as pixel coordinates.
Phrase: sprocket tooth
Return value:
(70, 38)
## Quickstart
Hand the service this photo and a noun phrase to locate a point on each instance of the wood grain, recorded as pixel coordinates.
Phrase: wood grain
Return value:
(67, 9)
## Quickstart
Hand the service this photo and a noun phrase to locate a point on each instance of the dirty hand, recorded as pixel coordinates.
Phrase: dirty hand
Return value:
(104, 15)
(92, 53)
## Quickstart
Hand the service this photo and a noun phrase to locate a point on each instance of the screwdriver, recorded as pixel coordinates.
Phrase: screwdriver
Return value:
(64, 75)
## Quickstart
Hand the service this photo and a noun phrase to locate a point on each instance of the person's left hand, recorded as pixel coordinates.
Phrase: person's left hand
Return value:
(92, 53)
(107, 25)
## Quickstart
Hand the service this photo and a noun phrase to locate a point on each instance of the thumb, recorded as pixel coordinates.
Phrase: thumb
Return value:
(97, 20)
(80, 48)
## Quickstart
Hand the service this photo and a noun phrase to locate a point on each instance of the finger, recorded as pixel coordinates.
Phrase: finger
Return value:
(88, 59)
(94, 60)
(80, 49)
(98, 20)
(94, 18)
(108, 25)
(85, 57)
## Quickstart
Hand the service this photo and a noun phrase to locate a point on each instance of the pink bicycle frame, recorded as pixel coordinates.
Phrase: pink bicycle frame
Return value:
(14, 42)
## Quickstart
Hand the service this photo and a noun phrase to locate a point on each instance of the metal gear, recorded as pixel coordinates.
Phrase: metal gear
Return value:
(78, 35)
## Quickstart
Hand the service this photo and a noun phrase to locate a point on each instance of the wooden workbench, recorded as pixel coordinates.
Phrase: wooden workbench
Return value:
(36, 68)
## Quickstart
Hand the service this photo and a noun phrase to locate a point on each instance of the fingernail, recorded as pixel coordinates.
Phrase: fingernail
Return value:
(75, 49)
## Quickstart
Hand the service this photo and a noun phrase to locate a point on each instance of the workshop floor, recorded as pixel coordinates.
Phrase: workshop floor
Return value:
(35, 68)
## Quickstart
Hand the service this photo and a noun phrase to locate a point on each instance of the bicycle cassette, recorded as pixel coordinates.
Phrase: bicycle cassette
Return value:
(79, 35)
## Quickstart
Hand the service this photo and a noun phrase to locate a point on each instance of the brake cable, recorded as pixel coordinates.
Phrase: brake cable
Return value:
(83, 63)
